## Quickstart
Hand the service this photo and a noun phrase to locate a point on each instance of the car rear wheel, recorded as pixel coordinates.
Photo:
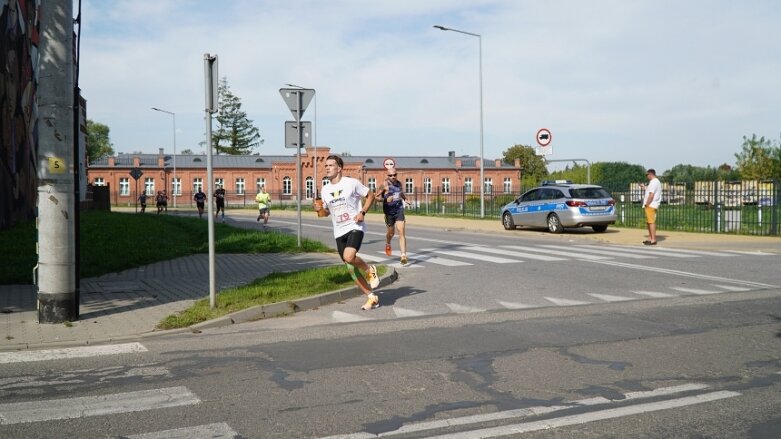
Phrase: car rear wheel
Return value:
(554, 224)
(600, 228)
(507, 221)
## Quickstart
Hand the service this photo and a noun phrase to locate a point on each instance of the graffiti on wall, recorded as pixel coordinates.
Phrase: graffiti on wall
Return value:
(19, 43)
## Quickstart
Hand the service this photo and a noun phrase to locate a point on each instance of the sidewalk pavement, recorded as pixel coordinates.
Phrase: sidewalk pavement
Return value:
(129, 304)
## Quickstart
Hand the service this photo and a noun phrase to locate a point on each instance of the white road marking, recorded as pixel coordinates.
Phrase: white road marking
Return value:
(602, 252)
(696, 291)
(344, 317)
(635, 250)
(438, 261)
(568, 254)
(600, 415)
(219, 430)
(71, 408)
(468, 255)
(610, 298)
(371, 258)
(462, 309)
(653, 294)
(64, 353)
(513, 253)
(515, 305)
(680, 251)
(732, 288)
(685, 274)
(565, 302)
(404, 312)
(522, 413)
(751, 252)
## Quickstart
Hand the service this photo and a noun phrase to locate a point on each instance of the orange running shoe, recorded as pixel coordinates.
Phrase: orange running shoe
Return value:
(388, 249)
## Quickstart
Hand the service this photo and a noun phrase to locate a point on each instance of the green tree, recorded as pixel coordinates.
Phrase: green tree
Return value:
(235, 133)
(98, 142)
(534, 169)
(187, 151)
(758, 159)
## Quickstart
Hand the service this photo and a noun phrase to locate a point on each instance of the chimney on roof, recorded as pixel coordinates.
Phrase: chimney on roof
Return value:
(451, 155)
(498, 163)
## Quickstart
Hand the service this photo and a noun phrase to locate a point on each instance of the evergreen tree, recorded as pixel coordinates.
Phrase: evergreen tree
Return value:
(235, 133)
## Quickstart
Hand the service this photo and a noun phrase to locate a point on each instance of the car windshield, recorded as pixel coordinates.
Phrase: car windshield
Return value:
(589, 193)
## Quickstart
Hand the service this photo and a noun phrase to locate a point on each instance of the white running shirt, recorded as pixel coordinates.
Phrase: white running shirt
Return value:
(344, 200)
(656, 187)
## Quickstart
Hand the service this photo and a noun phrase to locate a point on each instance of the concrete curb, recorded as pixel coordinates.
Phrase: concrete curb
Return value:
(285, 308)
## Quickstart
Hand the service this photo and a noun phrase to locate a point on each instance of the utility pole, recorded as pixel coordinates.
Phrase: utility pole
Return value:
(55, 274)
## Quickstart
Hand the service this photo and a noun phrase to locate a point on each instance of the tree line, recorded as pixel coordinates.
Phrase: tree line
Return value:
(758, 159)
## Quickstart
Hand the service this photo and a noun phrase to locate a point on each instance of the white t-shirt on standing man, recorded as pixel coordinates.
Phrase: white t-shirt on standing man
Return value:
(656, 187)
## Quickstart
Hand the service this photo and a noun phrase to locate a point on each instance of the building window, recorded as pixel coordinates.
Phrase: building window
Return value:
(468, 185)
(197, 184)
(488, 186)
(287, 186)
(427, 185)
(240, 186)
(149, 186)
(508, 185)
(445, 185)
(219, 182)
(99, 182)
(260, 183)
(177, 186)
(409, 185)
(124, 186)
(373, 184)
(310, 188)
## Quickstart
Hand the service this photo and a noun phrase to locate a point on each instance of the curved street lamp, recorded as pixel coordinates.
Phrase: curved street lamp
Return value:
(173, 181)
(480, 47)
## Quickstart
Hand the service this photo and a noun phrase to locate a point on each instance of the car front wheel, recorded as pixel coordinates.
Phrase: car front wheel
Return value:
(600, 228)
(507, 221)
(554, 224)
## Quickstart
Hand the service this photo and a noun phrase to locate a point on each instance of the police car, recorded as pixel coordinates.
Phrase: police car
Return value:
(558, 204)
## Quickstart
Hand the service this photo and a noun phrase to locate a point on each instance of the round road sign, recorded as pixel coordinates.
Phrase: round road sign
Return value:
(544, 137)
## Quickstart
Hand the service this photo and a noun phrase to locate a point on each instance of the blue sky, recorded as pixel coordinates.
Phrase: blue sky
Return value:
(648, 82)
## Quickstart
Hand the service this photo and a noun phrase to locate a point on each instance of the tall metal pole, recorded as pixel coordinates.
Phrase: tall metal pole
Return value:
(56, 275)
(314, 141)
(482, 172)
(174, 182)
(298, 162)
(210, 79)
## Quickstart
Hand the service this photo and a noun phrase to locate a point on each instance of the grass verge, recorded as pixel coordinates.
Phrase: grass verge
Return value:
(276, 287)
(113, 241)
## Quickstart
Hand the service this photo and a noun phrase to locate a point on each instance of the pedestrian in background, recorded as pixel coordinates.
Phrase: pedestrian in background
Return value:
(393, 202)
(219, 199)
(342, 199)
(651, 201)
(200, 201)
(142, 200)
(159, 202)
(263, 199)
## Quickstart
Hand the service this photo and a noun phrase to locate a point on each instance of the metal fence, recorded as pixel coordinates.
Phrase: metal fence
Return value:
(750, 208)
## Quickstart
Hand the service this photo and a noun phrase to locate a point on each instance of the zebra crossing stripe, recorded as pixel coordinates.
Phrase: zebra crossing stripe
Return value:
(65, 353)
(609, 297)
(569, 254)
(463, 309)
(681, 251)
(468, 255)
(404, 312)
(732, 288)
(565, 302)
(219, 430)
(654, 294)
(695, 291)
(633, 250)
(345, 317)
(372, 258)
(602, 252)
(515, 305)
(72, 408)
(513, 253)
(435, 260)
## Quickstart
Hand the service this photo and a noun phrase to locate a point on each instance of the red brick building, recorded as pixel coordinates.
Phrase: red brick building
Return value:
(242, 175)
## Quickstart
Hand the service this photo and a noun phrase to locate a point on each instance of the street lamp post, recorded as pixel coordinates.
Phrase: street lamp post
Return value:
(480, 47)
(173, 181)
(314, 140)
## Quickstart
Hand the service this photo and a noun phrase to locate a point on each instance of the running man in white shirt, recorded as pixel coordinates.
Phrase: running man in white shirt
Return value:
(342, 200)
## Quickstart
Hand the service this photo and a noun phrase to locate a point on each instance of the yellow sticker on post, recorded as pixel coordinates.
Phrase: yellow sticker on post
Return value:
(56, 165)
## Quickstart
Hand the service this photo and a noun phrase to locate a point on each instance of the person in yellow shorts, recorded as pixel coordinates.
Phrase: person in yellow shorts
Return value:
(651, 201)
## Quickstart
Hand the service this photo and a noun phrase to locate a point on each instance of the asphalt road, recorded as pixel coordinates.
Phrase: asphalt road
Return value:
(605, 341)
